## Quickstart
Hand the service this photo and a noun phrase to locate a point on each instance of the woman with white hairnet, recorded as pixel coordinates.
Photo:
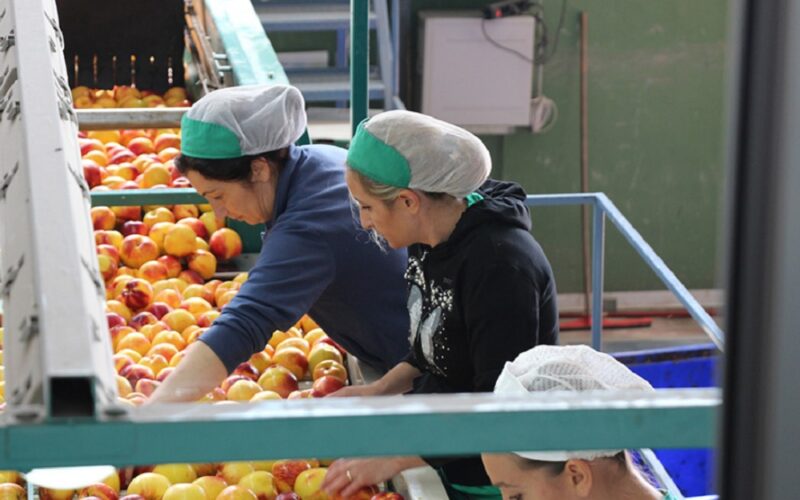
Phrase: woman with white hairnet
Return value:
(480, 289)
(238, 151)
(568, 475)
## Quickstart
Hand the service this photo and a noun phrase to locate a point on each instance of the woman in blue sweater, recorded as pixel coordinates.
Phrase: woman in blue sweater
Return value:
(238, 151)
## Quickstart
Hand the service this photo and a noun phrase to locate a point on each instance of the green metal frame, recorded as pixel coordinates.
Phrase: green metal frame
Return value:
(370, 426)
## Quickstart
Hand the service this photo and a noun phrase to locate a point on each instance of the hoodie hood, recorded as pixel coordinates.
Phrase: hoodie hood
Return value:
(503, 204)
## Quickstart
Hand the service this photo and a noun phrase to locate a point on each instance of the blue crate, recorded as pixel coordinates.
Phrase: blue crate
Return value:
(686, 366)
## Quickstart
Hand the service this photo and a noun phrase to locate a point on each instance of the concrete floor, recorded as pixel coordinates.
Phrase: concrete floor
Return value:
(664, 332)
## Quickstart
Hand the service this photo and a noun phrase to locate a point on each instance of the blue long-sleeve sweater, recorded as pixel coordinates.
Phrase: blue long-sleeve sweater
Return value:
(316, 258)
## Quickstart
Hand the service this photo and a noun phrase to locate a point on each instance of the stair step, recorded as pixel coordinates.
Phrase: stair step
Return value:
(306, 17)
(331, 124)
(319, 86)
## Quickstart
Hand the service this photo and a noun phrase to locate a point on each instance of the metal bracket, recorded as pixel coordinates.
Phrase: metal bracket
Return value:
(57, 31)
(7, 178)
(93, 276)
(80, 181)
(11, 275)
(6, 42)
(29, 328)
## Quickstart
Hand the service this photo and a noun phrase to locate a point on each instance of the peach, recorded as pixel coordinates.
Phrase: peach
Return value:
(176, 473)
(122, 92)
(191, 277)
(134, 341)
(308, 484)
(330, 368)
(363, 493)
(159, 309)
(260, 483)
(127, 271)
(387, 495)
(141, 146)
(107, 266)
(52, 494)
(265, 396)
(292, 358)
(225, 244)
(127, 213)
(103, 218)
(246, 369)
(126, 170)
(98, 157)
(168, 351)
(135, 372)
(146, 386)
(212, 485)
(113, 481)
(92, 173)
(170, 337)
(243, 390)
(226, 297)
(123, 386)
(108, 250)
(122, 155)
(170, 297)
(121, 361)
(314, 335)
(125, 136)
(153, 271)
(153, 101)
(167, 140)
(185, 492)
(233, 472)
(183, 211)
(159, 214)
(91, 144)
(117, 285)
(179, 241)
(12, 491)
(227, 286)
(285, 473)
(278, 379)
(304, 394)
(226, 384)
(150, 485)
(152, 329)
(325, 385)
(196, 306)
(202, 244)
(236, 493)
(197, 226)
(191, 335)
(204, 469)
(154, 175)
(206, 319)
(130, 354)
(260, 361)
(137, 294)
(299, 343)
(307, 323)
(203, 262)
(240, 278)
(133, 227)
(330, 342)
(155, 362)
(195, 290)
(137, 249)
(216, 395)
(175, 93)
(322, 351)
(163, 374)
(157, 233)
(142, 319)
(179, 319)
(113, 238)
(166, 155)
(212, 222)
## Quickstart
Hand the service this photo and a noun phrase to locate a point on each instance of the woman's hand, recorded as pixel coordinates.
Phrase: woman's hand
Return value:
(346, 476)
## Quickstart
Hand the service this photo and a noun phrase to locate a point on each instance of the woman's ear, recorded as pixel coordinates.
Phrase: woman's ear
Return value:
(579, 477)
(261, 170)
(410, 200)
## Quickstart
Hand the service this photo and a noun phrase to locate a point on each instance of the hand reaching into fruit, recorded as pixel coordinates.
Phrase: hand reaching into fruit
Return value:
(355, 391)
(346, 477)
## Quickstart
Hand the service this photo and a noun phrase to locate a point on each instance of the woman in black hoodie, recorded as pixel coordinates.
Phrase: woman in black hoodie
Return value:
(480, 289)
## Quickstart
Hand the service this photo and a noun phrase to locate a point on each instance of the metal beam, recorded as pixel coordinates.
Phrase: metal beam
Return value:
(114, 119)
(401, 425)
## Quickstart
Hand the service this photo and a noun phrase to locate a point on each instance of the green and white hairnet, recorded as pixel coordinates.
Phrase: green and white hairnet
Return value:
(411, 150)
(239, 121)
(548, 368)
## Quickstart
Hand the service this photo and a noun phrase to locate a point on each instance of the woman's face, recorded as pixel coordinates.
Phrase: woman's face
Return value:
(252, 202)
(518, 483)
(390, 219)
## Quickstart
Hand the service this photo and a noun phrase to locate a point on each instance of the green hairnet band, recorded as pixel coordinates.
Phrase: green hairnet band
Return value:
(208, 140)
(376, 160)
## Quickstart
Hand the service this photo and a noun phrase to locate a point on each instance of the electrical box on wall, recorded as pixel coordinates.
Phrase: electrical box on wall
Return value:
(477, 73)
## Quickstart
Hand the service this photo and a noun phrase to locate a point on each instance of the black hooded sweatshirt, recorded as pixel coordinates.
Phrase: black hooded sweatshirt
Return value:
(476, 301)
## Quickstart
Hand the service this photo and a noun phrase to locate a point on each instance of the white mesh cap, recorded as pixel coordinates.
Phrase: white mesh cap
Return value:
(442, 157)
(566, 368)
(262, 117)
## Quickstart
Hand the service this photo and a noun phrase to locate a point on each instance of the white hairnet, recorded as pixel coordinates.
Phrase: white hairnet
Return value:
(263, 117)
(566, 368)
(442, 157)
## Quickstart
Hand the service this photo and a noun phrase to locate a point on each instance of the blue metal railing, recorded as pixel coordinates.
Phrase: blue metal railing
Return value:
(603, 207)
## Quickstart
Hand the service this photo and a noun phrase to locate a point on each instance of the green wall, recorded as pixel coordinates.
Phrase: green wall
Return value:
(656, 94)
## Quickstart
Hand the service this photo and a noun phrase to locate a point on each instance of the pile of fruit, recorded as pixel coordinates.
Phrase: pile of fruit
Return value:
(265, 480)
(125, 96)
